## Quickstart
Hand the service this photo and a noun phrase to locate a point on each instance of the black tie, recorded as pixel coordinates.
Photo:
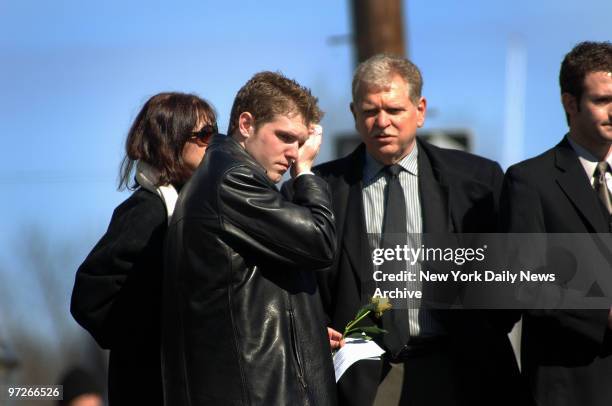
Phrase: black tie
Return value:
(394, 233)
(600, 185)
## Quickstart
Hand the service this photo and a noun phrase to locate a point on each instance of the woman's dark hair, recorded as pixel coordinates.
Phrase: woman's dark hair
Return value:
(159, 133)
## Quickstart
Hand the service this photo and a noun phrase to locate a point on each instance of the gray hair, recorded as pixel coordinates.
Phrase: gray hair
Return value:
(378, 71)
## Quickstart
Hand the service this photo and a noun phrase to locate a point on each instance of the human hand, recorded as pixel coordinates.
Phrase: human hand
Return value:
(308, 151)
(335, 339)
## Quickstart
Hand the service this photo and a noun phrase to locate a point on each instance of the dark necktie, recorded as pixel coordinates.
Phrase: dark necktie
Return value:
(600, 185)
(394, 233)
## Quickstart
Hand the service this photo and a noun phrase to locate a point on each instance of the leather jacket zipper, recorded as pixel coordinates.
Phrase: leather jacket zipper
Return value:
(296, 351)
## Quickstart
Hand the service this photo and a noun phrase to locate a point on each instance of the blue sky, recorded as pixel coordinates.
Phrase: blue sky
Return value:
(75, 73)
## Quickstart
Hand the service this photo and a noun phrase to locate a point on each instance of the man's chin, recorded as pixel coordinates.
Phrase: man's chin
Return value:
(604, 137)
(606, 134)
(275, 176)
(387, 156)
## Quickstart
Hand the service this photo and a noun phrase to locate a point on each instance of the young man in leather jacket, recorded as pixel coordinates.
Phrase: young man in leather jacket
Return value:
(242, 321)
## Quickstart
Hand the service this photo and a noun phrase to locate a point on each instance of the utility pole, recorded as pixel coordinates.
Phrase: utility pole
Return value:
(378, 28)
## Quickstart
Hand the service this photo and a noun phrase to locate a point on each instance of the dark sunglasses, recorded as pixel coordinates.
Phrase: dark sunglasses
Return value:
(206, 132)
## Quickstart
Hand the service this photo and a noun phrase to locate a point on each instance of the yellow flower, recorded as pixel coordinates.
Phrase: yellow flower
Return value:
(381, 305)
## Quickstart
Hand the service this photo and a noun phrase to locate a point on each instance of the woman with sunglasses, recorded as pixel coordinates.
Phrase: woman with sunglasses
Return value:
(117, 291)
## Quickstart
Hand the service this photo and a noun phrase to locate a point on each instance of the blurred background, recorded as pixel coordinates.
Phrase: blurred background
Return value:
(74, 73)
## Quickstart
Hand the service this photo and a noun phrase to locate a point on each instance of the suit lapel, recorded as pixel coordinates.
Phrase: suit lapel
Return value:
(348, 203)
(434, 195)
(573, 181)
(355, 241)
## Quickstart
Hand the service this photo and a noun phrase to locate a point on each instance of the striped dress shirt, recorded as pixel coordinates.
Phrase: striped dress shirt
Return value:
(374, 199)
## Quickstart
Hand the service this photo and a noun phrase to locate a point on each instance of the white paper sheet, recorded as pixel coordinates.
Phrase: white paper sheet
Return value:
(353, 351)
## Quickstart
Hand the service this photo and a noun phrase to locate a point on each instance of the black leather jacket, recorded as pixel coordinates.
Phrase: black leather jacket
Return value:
(242, 320)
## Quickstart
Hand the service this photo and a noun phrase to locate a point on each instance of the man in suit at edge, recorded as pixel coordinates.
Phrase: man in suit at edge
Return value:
(566, 353)
(450, 357)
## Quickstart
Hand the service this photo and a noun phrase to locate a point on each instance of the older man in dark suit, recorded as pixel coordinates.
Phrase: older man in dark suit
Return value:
(395, 183)
(566, 354)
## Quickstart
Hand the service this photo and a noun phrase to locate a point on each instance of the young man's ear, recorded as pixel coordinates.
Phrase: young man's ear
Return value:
(570, 104)
(246, 124)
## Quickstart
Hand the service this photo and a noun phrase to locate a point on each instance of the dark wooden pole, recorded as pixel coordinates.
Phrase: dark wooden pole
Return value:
(378, 27)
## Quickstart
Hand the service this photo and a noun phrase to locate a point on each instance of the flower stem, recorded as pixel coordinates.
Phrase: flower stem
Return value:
(352, 323)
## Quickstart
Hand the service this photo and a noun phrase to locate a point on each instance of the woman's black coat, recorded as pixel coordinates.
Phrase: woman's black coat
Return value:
(117, 296)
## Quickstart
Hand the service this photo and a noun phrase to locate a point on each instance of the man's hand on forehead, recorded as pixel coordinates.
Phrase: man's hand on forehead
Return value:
(308, 151)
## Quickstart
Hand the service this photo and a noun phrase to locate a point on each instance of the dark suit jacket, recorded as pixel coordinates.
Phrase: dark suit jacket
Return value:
(565, 353)
(459, 193)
